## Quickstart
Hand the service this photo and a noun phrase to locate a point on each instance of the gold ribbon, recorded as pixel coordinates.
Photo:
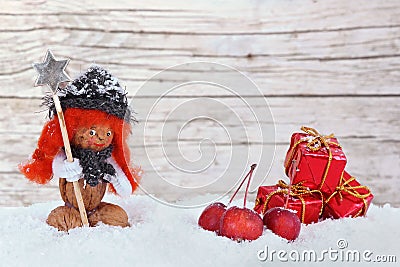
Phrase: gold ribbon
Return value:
(318, 140)
(351, 190)
(296, 190)
(316, 143)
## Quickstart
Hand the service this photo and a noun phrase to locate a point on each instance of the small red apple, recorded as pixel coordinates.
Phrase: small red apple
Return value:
(211, 216)
(283, 222)
(241, 224)
(235, 223)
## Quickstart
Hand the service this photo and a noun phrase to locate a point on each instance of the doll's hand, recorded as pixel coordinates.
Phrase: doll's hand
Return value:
(120, 183)
(62, 168)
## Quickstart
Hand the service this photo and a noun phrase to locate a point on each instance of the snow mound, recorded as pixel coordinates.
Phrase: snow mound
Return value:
(162, 235)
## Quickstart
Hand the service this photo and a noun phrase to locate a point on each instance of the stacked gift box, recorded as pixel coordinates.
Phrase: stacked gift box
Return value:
(320, 188)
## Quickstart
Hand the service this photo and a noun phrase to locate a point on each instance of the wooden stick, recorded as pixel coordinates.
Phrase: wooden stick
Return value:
(68, 152)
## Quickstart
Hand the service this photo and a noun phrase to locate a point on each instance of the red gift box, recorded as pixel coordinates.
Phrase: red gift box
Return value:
(319, 159)
(307, 203)
(350, 199)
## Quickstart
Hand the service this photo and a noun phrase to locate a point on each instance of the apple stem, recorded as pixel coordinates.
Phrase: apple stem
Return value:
(248, 183)
(240, 186)
(294, 169)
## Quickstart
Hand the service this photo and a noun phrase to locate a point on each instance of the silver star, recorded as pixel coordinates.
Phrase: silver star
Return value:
(51, 71)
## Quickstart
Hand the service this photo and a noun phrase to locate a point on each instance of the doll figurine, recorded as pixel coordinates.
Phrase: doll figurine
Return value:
(98, 121)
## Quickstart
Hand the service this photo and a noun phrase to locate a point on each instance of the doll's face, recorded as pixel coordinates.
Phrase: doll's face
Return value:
(97, 137)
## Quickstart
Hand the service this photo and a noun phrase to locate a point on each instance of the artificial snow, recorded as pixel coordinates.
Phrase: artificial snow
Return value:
(163, 235)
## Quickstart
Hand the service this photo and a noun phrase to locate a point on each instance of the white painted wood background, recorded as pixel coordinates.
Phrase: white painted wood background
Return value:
(332, 65)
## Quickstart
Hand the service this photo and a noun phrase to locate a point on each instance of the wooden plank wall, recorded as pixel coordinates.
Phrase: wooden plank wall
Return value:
(333, 65)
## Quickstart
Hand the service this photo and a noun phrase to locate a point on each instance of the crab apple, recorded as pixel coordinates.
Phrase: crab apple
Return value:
(235, 223)
(211, 216)
(283, 222)
(241, 224)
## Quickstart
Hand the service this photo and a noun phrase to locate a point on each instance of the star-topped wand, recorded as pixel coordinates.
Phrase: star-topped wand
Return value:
(51, 73)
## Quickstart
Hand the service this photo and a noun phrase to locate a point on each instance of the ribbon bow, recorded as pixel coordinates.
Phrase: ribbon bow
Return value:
(351, 190)
(319, 140)
(296, 190)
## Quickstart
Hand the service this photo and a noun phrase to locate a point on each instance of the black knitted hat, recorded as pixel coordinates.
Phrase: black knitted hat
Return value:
(95, 89)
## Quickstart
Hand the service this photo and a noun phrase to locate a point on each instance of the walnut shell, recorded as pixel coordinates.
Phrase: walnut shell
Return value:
(91, 196)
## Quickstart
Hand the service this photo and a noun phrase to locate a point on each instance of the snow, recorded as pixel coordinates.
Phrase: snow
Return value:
(164, 235)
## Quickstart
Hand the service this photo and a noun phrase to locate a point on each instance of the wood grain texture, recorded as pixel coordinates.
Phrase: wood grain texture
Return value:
(347, 117)
(332, 65)
(317, 48)
(274, 75)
